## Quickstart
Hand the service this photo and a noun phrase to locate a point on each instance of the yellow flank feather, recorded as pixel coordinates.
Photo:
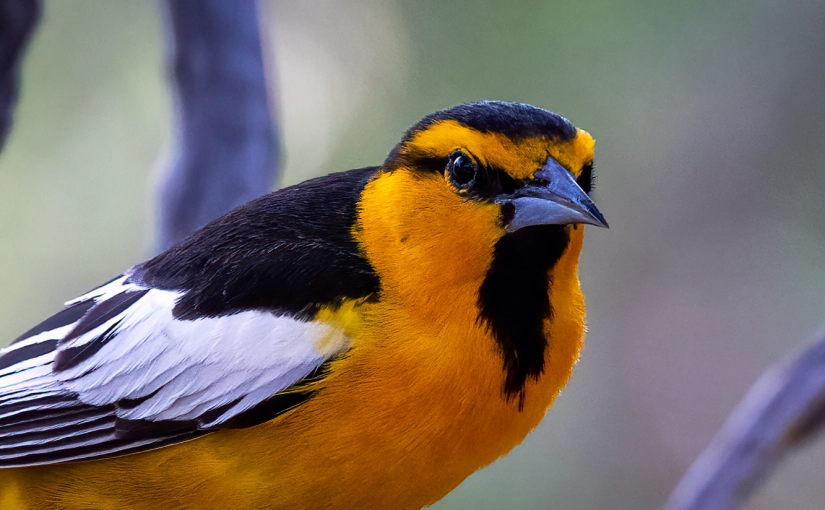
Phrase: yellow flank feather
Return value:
(413, 407)
(346, 321)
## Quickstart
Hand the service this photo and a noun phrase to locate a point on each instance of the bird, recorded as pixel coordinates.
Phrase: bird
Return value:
(366, 339)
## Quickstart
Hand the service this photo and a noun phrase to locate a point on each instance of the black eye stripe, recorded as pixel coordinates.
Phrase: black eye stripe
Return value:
(430, 163)
(491, 181)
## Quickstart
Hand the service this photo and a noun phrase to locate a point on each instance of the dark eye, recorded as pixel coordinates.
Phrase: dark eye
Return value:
(461, 170)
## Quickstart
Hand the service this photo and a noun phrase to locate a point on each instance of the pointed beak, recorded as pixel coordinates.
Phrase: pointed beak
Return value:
(552, 198)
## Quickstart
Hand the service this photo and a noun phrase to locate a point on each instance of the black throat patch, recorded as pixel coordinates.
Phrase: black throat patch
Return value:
(514, 300)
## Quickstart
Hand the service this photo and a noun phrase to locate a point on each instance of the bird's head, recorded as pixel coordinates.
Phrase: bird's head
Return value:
(533, 164)
(477, 173)
(482, 200)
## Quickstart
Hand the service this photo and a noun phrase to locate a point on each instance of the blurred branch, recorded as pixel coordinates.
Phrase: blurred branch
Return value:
(784, 407)
(224, 151)
(18, 19)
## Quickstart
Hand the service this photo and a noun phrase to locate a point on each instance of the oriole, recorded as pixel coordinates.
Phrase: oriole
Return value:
(366, 339)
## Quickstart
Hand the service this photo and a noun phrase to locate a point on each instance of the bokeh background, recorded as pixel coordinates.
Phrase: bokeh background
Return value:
(709, 118)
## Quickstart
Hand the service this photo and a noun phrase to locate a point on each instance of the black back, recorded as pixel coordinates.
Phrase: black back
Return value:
(287, 252)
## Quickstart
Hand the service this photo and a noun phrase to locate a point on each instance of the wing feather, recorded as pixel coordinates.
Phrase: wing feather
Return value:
(118, 372)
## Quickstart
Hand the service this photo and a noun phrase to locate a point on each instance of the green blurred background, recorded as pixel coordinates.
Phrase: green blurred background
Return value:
(710, 121)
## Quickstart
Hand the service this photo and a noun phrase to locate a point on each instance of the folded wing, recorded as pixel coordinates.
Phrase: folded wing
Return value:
(116, 372)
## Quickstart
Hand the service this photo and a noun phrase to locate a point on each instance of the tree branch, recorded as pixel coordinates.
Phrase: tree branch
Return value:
(224, 152)
(782, 409)
(18, 19)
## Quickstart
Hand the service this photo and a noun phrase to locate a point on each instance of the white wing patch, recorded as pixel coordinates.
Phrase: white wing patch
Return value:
(141, 363)
(218, 360)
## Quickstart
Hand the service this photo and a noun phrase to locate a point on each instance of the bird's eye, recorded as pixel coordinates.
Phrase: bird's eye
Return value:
(461, 170)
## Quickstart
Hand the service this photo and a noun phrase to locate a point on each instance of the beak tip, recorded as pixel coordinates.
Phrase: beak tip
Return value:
(596, 216)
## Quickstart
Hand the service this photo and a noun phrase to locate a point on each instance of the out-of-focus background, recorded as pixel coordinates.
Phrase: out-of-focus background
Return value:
(710, 125)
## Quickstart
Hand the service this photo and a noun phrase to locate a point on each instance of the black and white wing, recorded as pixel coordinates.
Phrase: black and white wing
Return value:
(116, 372)
(207, 335)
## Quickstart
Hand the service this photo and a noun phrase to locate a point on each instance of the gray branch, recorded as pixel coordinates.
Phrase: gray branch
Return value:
(784, 407)
(18, 19)
(224, 152)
